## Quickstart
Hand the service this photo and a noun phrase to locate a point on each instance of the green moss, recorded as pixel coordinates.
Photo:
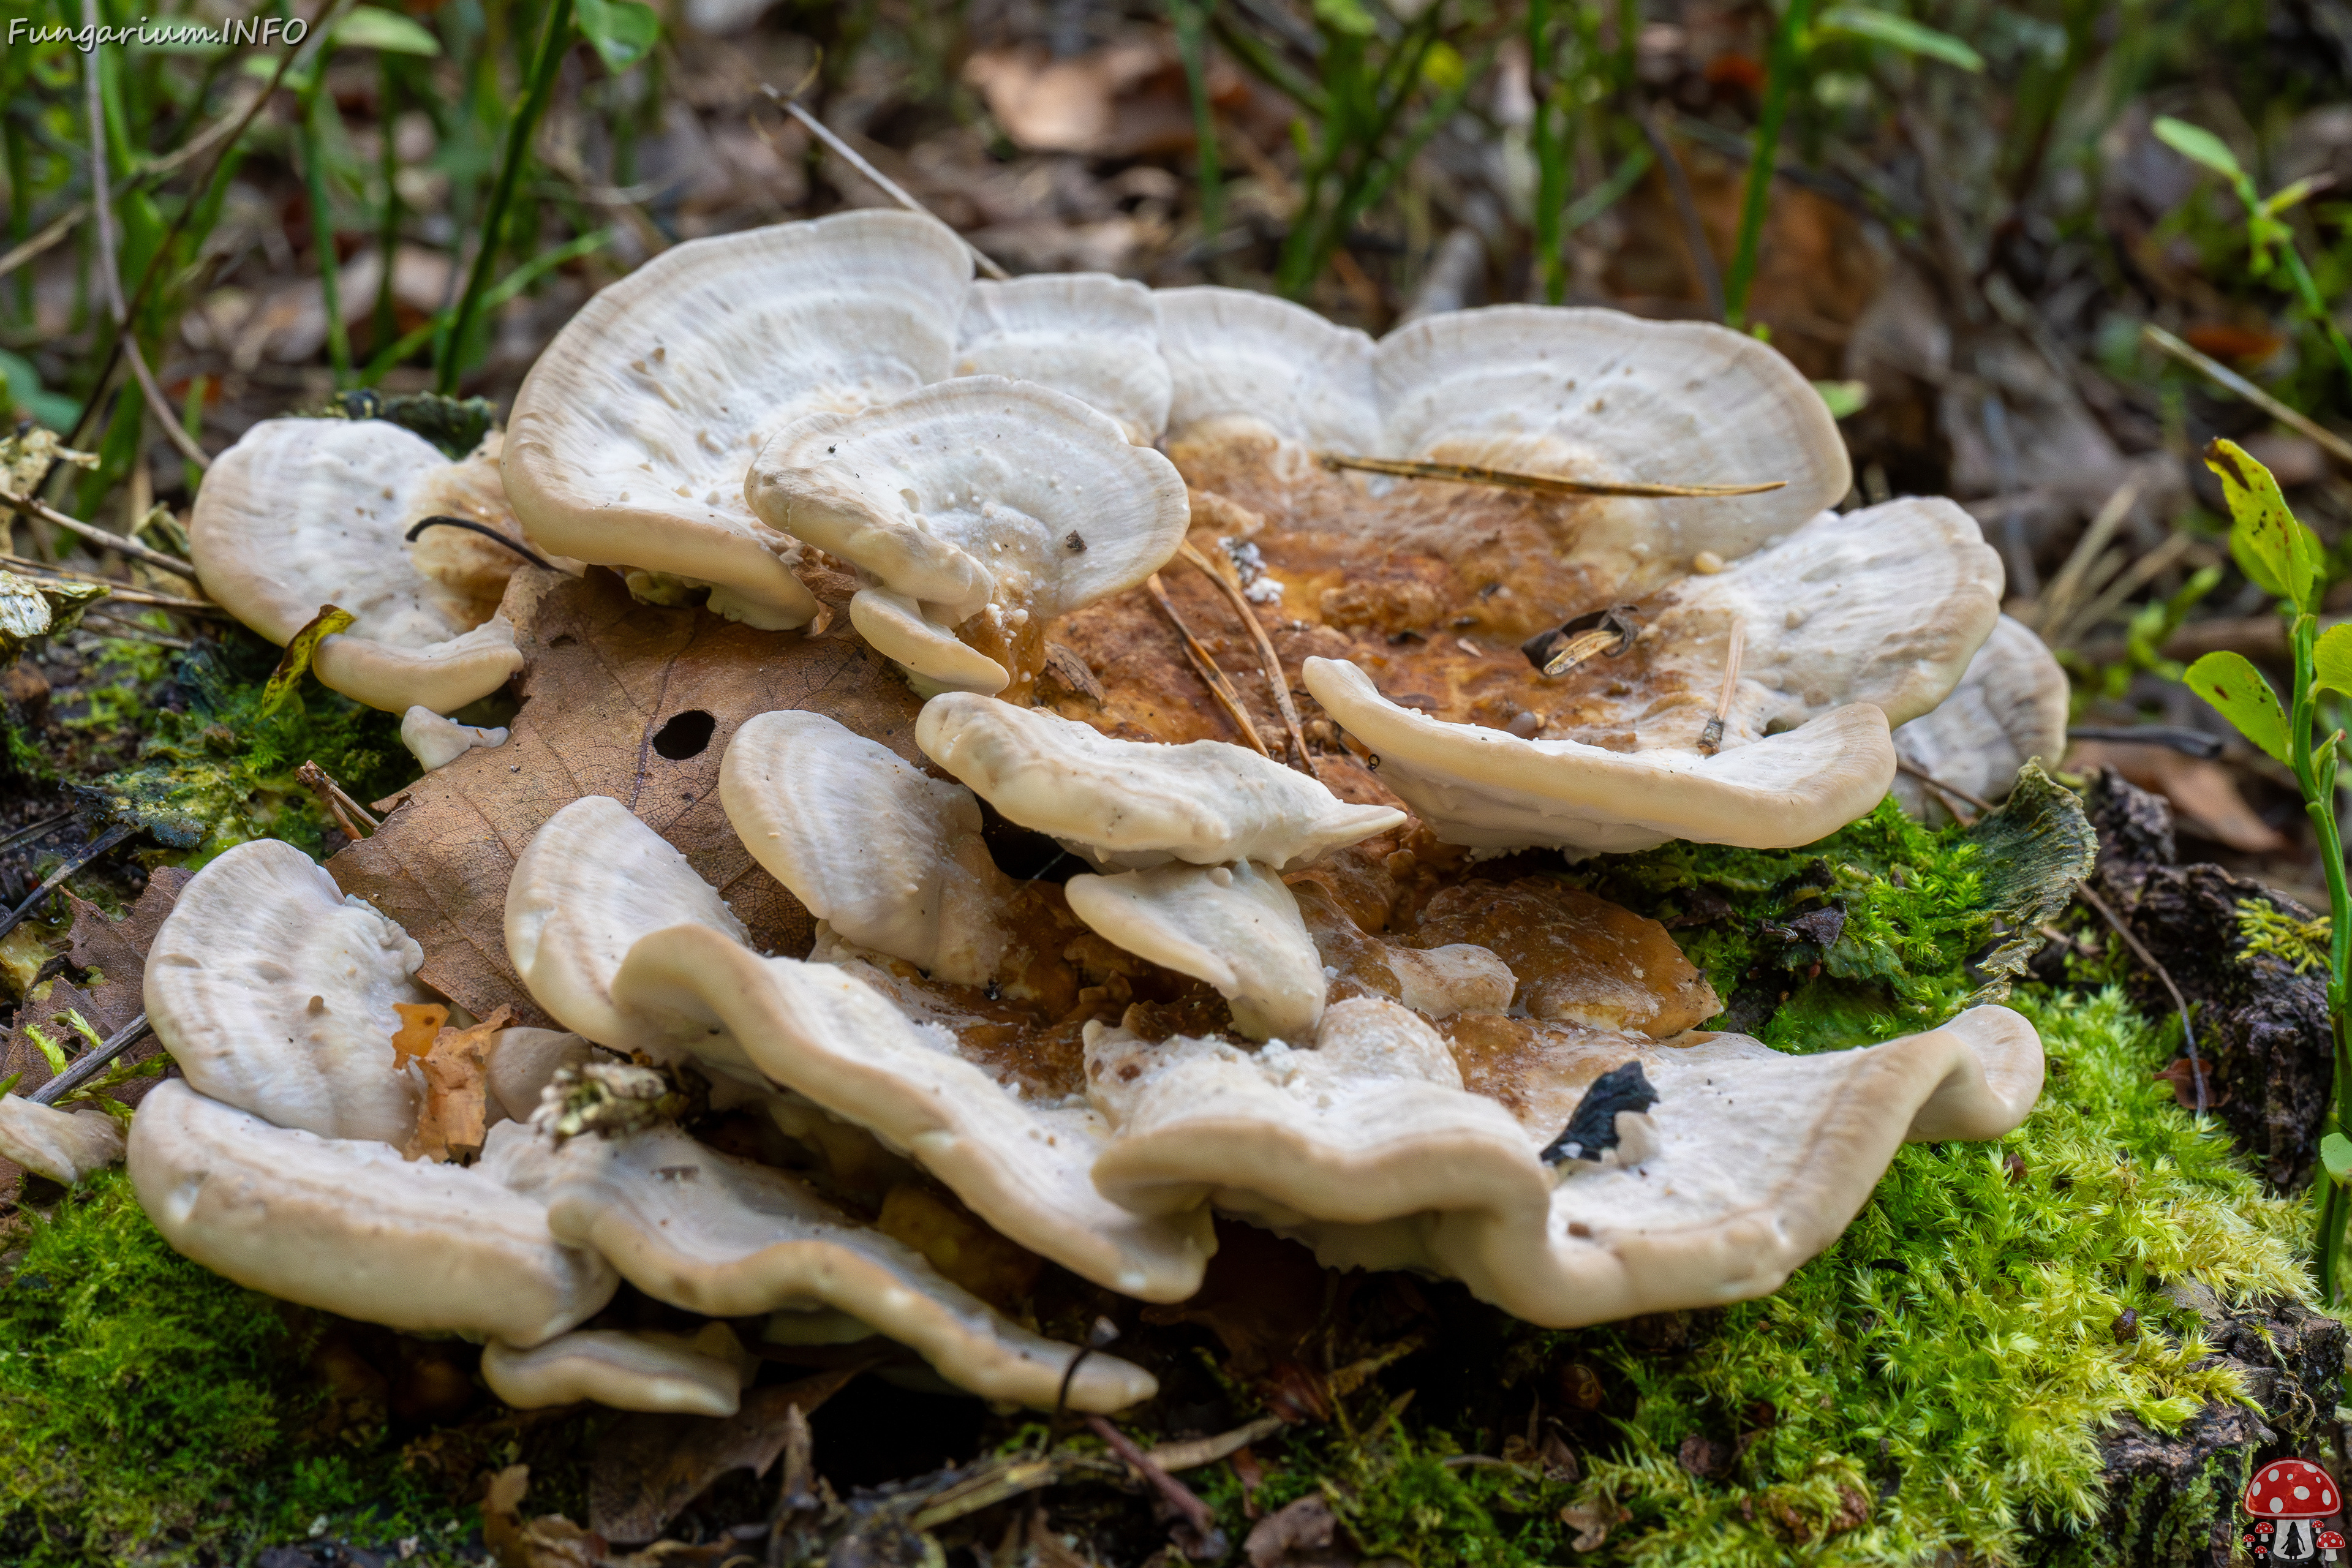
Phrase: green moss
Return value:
(219, 772)
(153, 1412)
(1936, 1382)
(1914, 905)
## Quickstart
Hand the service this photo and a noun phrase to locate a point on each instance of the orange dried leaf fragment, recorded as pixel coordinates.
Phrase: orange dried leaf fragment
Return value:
(455, 1108)
(420, 1024)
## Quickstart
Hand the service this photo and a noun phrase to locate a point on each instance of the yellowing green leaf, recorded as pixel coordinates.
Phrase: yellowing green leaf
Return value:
(2332, 659)
(1443, 68)
(1845, 397)
(2231, 683)
(295, 662)
(2264, 533)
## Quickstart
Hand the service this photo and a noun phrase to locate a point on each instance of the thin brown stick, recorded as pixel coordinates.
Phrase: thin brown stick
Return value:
(1179, 1497)
(1549, 484)
(1953, 793)
(2073, 579)
(1220, 687)
(1266, 655)
(330, 795)
(789, 104)
(2188, 1031)
(1710, 739)
(2335, 445)
(102, 206)
(96, 535)
(132, 631)
(122, 593)
(59, 226)
(57, 878)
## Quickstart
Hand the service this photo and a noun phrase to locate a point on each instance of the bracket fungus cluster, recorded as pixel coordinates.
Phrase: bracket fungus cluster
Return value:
(1563, 584)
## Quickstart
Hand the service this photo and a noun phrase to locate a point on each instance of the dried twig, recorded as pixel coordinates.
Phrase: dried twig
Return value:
(1549, 484)
(2221, 374)
(1266, 655)
(2181, 1003)
(91, 1064)
(97, 535)
(132, 631)
(348, 814)
(1175, 1493)
(1219, 686)
(121, 592)
(1710, 739)
(61, 225)
(2057, 605)
(1953, 795)
(31, 831)
(789, 104)
(102, 203)
(57, 878)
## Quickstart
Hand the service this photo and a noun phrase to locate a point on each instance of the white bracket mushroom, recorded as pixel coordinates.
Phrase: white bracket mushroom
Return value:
(1091, 335)
(1138, 803)
(2008, 709)
(303, 513)
(1236, 927)
(629, 440)
(886, 857)
(1850, 625)
(999, 503)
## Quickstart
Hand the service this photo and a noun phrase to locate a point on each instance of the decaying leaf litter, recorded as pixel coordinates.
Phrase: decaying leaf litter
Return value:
(1389, 1491)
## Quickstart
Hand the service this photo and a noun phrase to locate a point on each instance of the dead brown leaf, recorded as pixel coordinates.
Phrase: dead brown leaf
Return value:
(1591, 1523)
(649, 1467)
(2204, 795)
(1302, 1534)
(420, 1024)
(451, 1123)
(551, 1540)
(112, 956)
(624, 699)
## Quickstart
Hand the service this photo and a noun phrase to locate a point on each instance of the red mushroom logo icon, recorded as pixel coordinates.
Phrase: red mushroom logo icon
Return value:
(2294, 1494)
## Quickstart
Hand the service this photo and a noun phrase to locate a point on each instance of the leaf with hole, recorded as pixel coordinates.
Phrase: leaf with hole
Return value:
(623, 32)
(2231, 684)
(2279, 553)
(1897, 33)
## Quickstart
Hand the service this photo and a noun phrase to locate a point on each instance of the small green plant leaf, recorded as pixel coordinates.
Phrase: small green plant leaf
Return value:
(295, 662)
(387, 32)
(2265, 534)
(1898, 32)
(2198, 145)
(2231, 683)
(2287, 197)
(1845, 397)
(2331, 660)
(623, 32)
(1345, 16)
(2336, 1153)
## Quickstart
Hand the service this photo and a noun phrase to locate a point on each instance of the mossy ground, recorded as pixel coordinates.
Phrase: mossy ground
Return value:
(1932, 1389)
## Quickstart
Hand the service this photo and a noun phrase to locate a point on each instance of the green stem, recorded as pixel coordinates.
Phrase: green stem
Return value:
(2317, 781)
(383, 323)
(2307, 293)
(1191, 22)
(552, 44)
(20, 209)
(323, 226)
(1779, 75)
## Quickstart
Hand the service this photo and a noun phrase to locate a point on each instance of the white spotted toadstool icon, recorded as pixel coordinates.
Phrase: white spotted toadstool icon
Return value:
(2330, 1543)
(2294, 1494)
